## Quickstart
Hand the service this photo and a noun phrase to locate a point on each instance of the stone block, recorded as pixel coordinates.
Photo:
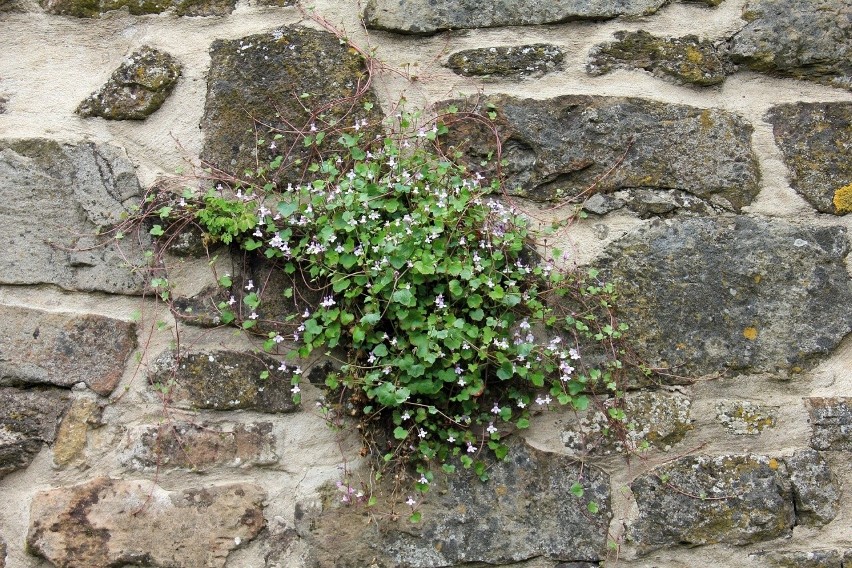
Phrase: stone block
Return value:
(63, 349)
(109, 522)
(224, 380)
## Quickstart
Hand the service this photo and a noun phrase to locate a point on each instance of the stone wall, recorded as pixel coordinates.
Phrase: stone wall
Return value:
(712, 141)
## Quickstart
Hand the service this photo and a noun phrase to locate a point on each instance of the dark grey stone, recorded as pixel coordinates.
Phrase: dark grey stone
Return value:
(430, 16)
(804, 39)
(687, 60)
(276, 311)
(260, 85)
(732, 294)
(514, 61)
(38, 347)
(526, 510)
(28, 419)
(815, 139)
(224, 380)
(817, 496)
(572, 147)
(831, 423)
(732, 499)
(136, 89)
(54, 198)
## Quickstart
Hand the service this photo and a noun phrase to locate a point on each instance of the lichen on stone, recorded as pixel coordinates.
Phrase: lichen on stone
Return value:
(136, 89)
(513, 61)
(744, 417)
(687, 60)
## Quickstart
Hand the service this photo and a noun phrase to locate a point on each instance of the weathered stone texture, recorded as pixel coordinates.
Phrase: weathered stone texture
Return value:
(53, 199)
(95, 8)
(745, 418)
(831, 423)
(740, 294)
(224, 380)
(733, 499)
(573, 146)
(526, 510)
(2, 553)
(815, 139)
(514, 61)
(656, 418)
(108, 522)
(804, 39)
(200, 447)
(430, 16)
(687, 59)
(136, 89)
(258, 82)
(70, 444)
(816, 494)
(28, 419)
(38, 347)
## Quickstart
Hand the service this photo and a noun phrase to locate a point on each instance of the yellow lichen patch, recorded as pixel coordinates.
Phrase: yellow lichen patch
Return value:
(843, 199)
(757, 278)
(750, 333)
(773, 463)
(705, 119)
(694, 55)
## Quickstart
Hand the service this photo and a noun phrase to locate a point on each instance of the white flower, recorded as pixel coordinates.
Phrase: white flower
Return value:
(250, 285)
(411, 502)
(491, 429)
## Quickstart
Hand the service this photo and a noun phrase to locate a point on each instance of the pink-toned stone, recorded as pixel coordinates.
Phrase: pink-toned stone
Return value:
(39, 347)
(109, 522)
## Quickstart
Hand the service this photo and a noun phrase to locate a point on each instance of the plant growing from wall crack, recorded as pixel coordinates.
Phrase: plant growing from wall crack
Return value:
(455, 330)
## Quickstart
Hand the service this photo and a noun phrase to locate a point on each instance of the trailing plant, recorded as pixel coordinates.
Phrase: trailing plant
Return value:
(455, 328)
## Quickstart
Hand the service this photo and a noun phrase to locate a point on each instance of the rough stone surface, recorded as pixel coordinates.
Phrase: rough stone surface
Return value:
(514, 61)
(108, 522)
(224, 380)
(96, 8)
(38, 347)
(817, 496)
(733, 499)
(804, 39)
(136, 89)
(821, 558)
(70, 445)
(267, 282)
(2, 553)
(257, 82)
(831, 423)
(28, 419)
(570, 147)
(430, 16)
(526, 510)
(687, 60)
(657, 418)
(53, 199)
(732, 294)
(200, 446)
(815, 139)
(743, 417)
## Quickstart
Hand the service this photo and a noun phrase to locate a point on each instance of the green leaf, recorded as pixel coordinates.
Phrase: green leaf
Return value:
(400, 433)
(593, 507)
(157, 230)
(474, 300)
(577, 490)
